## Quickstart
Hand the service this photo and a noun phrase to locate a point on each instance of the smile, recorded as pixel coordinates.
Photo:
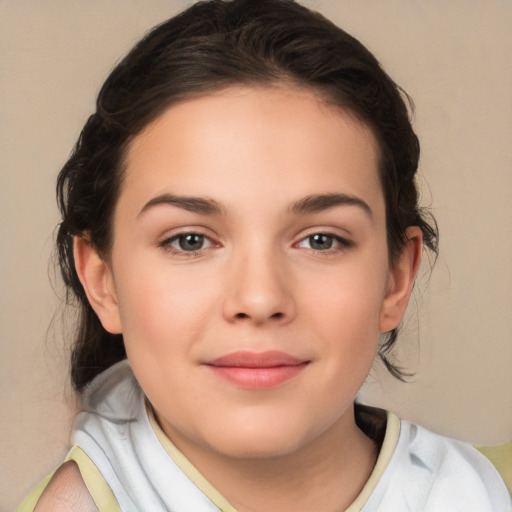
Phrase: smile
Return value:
(257, 371)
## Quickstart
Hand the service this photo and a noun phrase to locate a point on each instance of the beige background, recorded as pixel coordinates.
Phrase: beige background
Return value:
(454, 57)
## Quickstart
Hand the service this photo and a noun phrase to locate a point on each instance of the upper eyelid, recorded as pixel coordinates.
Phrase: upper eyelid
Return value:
(340, 233)
(175, 233)
(341, 239)
(167, 244)
(192, 230)
(171, 238)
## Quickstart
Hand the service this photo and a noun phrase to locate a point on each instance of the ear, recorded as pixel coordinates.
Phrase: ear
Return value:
(401, 281)
(97, 280)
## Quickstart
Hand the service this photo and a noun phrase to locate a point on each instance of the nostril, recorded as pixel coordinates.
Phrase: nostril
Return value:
(275, 316)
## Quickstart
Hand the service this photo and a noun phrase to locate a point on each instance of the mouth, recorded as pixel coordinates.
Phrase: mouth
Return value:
(257, 370)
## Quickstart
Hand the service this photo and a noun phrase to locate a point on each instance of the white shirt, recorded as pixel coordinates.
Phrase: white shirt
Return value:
(417, 470)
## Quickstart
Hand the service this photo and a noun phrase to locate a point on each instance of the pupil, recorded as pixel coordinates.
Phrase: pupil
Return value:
(320, 241)
(191, 242)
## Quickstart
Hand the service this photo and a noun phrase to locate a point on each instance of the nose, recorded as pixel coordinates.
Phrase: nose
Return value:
(259, 290)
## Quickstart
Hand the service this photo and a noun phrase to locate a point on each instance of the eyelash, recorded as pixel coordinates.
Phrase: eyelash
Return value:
(340, 243)
(167, 244)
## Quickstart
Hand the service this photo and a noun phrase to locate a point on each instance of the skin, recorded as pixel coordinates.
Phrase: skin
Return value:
(259, 282)
(66, 492)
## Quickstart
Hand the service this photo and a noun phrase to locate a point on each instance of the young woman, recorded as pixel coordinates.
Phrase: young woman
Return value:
(242, 233)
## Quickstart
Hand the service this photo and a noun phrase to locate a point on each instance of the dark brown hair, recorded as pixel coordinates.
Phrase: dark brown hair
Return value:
(213, 45)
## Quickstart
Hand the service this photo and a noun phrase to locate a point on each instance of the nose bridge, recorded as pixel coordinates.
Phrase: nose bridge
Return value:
(259, 289)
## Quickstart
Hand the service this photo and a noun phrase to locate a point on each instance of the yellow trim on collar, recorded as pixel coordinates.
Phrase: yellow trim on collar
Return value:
(30, 502)
(501, 457)
(186, 466)
(386, 452)
(99, 490)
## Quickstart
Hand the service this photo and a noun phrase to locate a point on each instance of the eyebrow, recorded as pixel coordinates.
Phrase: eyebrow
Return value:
(201, 205)
(320, 202)
(206, 206)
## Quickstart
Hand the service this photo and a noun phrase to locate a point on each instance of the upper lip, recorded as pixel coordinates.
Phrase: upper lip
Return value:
(247, 359)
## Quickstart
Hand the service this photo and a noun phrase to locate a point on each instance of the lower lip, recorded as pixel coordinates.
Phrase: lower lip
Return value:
(258, 378)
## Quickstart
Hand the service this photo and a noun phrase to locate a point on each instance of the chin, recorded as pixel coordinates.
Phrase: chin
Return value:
(259, 449)
(267, 441)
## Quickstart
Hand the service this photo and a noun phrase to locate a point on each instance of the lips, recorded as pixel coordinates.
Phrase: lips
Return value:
(257, 371)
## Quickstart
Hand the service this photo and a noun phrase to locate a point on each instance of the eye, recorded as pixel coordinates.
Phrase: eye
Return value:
(323, 242)
(187, 243)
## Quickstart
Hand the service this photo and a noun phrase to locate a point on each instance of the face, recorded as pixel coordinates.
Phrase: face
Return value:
(249, 272)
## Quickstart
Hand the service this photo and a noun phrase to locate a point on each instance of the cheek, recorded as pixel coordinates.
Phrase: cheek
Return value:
(164, 315)
(345, 315)
(347, 299)
(162, 307)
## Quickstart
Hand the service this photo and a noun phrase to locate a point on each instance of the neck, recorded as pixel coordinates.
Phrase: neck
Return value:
(326, 474)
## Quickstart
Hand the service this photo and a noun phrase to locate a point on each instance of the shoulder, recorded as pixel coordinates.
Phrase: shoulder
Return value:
(66, 491)
(450, 471)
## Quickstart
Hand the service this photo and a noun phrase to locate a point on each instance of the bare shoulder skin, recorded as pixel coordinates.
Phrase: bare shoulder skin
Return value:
(66, 492)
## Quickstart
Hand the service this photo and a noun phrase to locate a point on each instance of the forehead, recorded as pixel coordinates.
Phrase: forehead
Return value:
(250, 142)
